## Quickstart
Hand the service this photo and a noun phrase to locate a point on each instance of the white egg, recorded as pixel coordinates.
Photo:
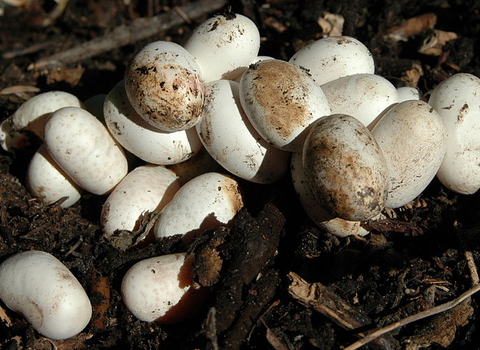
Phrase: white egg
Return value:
(412, 137)
(457, 101)
(143, 140)
(345, 167)
(363, 96)
(334, 57)
(32, 115)
(48, 182)
(82, 146)
(229, 137)
(207, 201)
(145, 189)
(315, 211)
(281, 101)
(164, 85)
(406, 93)
(224, 45)
(40, 288)
(159, 288)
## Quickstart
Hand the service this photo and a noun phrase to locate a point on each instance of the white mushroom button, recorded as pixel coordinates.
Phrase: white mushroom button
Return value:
(229, 137)
(205, 202)
(346, 169)
(85, 150)
(334, 57)
(412, 138)
(143, 140)
(48, 182)
(281, 101)
(145, 189)
(164, 85)
(224, 45)
(363, 96)
(40, 288)
(32, 115)
(457, 101)
(159, 289)
(407, 93)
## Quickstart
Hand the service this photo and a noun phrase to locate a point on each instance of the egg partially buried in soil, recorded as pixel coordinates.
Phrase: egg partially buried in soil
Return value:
(281, 101)
(345, 168)
(164, 85)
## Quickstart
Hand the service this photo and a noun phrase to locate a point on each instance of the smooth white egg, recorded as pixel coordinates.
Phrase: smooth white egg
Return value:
(412, 137)
(334, 57)
(224, 45)
(363, 96)
(457, 101)
(82, 146)
(231, 140)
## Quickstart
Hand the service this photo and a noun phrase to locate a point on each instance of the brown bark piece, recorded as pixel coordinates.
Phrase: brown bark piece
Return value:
(249, 283)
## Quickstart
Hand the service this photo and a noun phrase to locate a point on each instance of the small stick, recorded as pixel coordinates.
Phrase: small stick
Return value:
(421, 315)
(139, 29)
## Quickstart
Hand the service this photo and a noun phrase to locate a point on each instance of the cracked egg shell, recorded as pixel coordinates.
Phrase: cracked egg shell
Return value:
(224, 45)
(229, 137)
(145, 189)
(363, 96)
(281, 101)
(143, 140)
(164, 85)
(207, 201)
(457, 101)
(42, 289)
(345, 167)
(412, 138)
(82, 146)
(160, 289)
(334, 57)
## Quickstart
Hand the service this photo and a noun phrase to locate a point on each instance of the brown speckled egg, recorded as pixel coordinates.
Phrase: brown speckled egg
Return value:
(345, 168)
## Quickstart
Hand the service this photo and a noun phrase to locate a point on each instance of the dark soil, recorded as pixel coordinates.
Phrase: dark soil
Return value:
(416, 259)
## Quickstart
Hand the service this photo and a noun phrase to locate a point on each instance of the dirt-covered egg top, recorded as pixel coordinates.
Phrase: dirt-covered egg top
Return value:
(346, 169)
(164, 85)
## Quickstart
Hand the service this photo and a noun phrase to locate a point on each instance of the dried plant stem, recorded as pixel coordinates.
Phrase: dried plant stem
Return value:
(421, 315)
(139, 29)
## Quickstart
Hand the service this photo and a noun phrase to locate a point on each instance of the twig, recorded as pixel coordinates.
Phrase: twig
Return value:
(421, 315)
(139, 29)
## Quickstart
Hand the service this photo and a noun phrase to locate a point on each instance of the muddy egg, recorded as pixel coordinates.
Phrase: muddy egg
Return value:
(334, 57)
(224, 45)
(315, 211)
(363, 96)
(345, 167)
(456, 100)
(143, 140)
(164, 85)
(229, 137)
(412, 137)
(281, 101)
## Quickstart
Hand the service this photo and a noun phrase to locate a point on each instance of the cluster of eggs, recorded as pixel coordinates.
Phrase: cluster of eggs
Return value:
(203, 114)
